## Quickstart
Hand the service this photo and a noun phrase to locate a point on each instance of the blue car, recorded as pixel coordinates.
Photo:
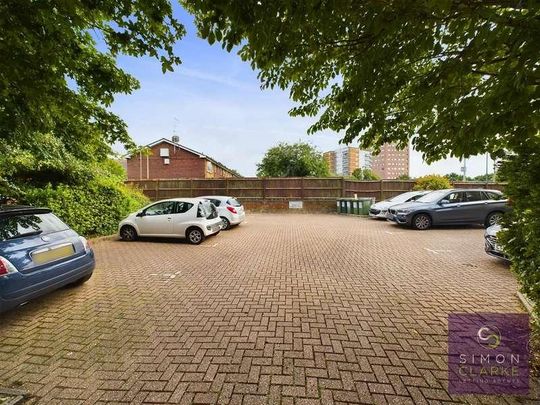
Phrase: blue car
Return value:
(38, 254)
(451, 207)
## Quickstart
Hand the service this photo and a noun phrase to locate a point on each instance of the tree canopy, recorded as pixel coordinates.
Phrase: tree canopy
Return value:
(292, 160)
(58, 76)
(462, 76)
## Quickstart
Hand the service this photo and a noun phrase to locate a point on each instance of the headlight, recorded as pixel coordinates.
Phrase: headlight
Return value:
(403, 212)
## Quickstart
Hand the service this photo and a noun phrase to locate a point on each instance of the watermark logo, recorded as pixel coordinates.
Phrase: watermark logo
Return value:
(488, 353)
(489, 337)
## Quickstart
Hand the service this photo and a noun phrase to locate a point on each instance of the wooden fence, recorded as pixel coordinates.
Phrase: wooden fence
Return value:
(290, 188)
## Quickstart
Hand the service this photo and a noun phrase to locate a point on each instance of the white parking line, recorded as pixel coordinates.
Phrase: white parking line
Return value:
(392, 233)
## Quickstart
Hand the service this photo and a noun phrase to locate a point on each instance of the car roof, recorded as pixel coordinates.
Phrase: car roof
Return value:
(13, 210)
(217, 197)
(475, 189)
(187, 199)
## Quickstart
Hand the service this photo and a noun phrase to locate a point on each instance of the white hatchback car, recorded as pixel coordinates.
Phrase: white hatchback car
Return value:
(229, 209)
(190, 218)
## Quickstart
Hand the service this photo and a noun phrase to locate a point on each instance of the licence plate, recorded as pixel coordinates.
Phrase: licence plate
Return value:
(55, 253)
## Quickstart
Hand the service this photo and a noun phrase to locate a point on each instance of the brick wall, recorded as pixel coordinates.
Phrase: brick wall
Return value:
(282, 204)
(182, 164)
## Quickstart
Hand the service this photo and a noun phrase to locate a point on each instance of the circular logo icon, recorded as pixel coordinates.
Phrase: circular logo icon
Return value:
(489, 336)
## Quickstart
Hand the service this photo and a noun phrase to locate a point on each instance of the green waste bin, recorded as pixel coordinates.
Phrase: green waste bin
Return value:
(366, 205)
(354, 206)
(342, 206)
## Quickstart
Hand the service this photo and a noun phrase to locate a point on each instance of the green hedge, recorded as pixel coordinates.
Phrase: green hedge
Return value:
(521, 238)
(93, 209)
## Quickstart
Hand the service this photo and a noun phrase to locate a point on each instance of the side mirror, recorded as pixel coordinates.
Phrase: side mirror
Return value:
(444, 202)
(140, 214)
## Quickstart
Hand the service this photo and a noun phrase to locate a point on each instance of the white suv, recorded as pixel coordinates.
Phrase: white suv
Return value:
(190, 218)
(229, 209)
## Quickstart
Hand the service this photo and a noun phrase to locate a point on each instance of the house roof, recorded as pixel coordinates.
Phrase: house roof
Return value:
(201, 155)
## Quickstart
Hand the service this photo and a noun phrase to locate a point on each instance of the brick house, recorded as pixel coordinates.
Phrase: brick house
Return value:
(170, 160)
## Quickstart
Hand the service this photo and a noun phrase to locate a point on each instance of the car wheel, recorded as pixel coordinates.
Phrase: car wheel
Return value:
(493, 218)
(421, 222)
(195, 236)
(128, 233)
(226, 224)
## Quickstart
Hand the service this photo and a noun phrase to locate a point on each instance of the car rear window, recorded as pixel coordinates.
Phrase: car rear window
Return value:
(234, 202)
(207, 210)
(19, 226)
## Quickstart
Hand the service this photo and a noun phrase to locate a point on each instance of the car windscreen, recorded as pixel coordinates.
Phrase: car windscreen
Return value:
(403, 197)
(208, 210)
(234, 202)
(19, 226)
(433, 196)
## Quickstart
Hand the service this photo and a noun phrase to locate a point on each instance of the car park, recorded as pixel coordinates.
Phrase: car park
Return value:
(451, 207)
(380, 209)
(190, 218)
(38, 254)
(491, 245)
(230, 210)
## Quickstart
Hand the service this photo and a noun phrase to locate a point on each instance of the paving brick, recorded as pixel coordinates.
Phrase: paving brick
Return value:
(294, 308)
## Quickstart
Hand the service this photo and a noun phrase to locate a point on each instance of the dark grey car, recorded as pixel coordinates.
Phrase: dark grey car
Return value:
(451, 207)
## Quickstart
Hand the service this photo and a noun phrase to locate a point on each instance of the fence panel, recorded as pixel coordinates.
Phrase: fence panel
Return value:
(307, 188)
(321, 188)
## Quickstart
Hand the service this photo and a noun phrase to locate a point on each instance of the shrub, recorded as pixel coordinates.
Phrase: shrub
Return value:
(521, 235)
(93, 209)
(432, 182)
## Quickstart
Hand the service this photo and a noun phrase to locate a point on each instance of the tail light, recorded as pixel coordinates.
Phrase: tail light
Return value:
(232, 209)
(85, 243)
(6, 267)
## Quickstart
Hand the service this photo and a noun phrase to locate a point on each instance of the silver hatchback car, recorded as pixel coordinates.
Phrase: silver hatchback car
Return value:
(229, 209)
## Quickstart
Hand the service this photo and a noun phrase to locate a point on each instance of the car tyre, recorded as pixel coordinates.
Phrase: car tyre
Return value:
(226, 224)
(128, 233)
(421, 222)
(195, 236)
(493, 218)
(82, 280)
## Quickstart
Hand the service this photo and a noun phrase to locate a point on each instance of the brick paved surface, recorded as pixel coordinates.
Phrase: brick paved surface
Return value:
(304, 309)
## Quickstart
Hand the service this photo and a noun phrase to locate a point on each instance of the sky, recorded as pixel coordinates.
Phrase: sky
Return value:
(214, 103)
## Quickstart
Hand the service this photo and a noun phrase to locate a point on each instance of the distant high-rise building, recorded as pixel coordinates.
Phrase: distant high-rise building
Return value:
(330, 158)
(391, 162)
(344, 161)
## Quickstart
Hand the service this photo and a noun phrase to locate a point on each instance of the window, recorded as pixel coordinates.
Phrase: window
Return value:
(216, 202)
(162, 208)
(234, 202)
(490, 195)
(164, 152)
(182, 207)
(13, 227)
(454, 198)
(209, 167)
(474, 196)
